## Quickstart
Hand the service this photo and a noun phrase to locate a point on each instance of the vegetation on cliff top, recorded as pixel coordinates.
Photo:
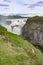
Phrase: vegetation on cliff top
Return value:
(35, 18)
(35, 21)
(16, 51)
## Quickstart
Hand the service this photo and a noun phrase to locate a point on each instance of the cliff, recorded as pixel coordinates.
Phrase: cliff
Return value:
(33, 31)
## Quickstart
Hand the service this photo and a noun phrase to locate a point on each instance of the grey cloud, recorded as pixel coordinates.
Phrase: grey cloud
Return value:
(4, 5)
(7, 1)
(26, 4)
(35, 5)
(39, 3)
(6, 8)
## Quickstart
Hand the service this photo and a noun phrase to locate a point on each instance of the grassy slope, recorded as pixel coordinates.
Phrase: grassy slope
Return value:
(16, 51)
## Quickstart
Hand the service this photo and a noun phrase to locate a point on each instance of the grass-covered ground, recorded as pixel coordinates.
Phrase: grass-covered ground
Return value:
(16, 51)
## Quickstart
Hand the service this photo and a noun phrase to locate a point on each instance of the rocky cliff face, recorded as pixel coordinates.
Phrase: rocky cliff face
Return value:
(33, 31)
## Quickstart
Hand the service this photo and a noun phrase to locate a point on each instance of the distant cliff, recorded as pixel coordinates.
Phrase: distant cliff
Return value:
(33, 31)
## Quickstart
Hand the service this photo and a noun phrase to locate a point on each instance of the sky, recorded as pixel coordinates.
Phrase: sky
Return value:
(21, 7)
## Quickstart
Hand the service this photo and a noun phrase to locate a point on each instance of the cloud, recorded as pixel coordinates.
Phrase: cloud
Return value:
(21, 7)
(9, 1)
(6, 5)
(39, 3)
(26, 4)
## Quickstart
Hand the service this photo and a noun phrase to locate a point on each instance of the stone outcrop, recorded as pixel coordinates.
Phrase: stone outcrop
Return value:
(33, 31)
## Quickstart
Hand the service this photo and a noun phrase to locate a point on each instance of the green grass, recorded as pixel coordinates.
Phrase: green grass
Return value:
(16, 51)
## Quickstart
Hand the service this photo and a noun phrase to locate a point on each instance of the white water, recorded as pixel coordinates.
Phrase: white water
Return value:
(17, 23)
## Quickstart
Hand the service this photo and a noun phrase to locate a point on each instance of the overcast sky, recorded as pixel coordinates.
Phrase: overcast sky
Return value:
(21, 7)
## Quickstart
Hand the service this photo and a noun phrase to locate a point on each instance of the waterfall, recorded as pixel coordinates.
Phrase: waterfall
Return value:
(15, 25)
